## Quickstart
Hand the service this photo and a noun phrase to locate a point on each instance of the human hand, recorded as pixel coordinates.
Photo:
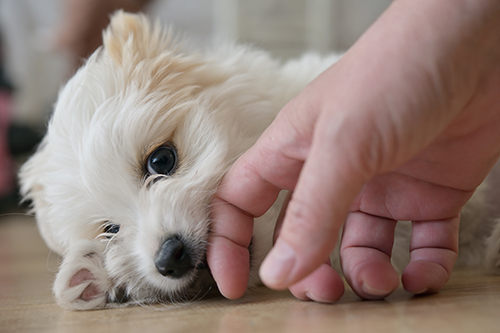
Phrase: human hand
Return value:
(403, 127)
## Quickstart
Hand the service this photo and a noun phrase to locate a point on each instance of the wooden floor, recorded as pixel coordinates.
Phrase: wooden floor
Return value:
(469, 303)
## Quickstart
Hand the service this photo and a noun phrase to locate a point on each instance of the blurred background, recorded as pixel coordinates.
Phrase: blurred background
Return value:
(42, 42)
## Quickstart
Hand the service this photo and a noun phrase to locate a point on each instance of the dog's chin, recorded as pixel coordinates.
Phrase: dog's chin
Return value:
(202, 286)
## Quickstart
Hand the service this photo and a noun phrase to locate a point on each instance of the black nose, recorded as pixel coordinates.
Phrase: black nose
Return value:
(172, 259)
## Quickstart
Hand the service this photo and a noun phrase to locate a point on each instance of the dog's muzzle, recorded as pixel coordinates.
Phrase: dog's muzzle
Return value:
(172, 259)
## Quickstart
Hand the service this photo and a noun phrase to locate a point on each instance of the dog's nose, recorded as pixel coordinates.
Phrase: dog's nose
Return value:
(173, 259)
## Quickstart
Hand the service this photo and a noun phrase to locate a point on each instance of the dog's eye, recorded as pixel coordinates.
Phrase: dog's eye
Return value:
(112, 229)
(162, 161)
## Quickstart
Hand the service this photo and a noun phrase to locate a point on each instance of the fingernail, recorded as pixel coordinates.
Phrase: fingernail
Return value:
(276, 268)
(423, 291)
(314, 298)
(375, 291)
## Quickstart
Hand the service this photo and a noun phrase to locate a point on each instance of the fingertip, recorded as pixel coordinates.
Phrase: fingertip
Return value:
(424, 277)
(324, 285)
(374, 280)
(381, 283)
(275, 271)
(232, 294)
(230, 267)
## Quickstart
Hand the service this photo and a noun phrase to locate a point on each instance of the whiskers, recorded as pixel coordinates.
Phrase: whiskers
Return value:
(201, 294)
(154, 298)
(181, 299)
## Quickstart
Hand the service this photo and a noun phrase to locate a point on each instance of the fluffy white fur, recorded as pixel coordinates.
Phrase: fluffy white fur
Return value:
(132, 96)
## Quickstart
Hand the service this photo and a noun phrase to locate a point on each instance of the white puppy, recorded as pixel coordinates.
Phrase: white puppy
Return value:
(123, 182)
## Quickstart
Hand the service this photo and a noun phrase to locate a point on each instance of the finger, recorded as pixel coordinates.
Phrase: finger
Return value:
(248, 190)
(227, 254)
(324, 285)
(229, 264)
(366, 255)
(232, 226)
(434, 250)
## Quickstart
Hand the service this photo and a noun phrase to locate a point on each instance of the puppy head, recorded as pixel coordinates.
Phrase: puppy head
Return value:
(139, 140)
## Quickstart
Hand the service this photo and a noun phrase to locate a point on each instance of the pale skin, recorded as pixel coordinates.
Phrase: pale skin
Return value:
(404, 127)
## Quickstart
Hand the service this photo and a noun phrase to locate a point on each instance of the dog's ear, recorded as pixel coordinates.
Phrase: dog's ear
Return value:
(82, 282)
(131, 37)
(131, 41)
(31, 178)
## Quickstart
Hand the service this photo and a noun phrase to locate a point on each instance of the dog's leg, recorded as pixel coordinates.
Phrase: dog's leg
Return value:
(82, 282)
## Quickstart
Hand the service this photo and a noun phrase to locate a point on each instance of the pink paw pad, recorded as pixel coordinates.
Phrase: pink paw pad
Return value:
(92, 291)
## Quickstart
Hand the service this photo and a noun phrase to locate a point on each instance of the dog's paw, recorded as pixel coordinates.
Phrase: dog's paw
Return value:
(82, 282)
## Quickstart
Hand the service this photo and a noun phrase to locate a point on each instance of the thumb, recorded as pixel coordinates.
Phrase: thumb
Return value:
(314, 216)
